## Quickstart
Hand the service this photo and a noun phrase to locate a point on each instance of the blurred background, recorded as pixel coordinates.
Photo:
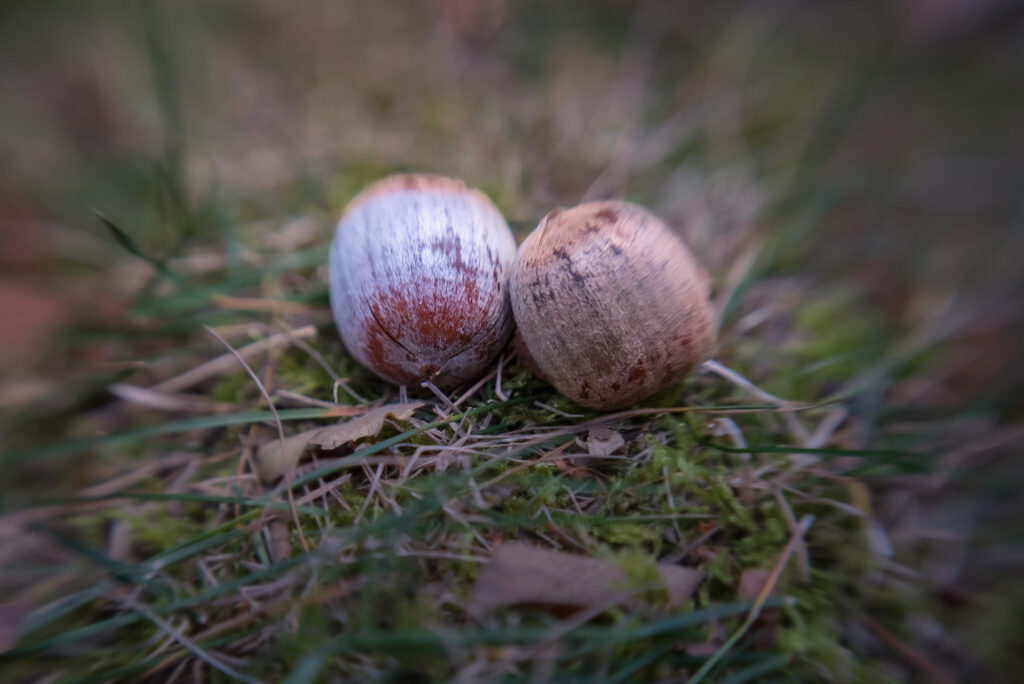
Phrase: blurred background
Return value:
(850, 173)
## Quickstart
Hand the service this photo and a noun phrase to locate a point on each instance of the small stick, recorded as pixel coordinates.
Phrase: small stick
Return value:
(224, 363)
(277, 419)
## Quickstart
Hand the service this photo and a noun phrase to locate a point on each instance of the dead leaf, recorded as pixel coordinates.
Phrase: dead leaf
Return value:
(523, 574)
(752, 582)
(275, 459)
(366, 425)
(602, 441)
(280, 539)
(345, 411)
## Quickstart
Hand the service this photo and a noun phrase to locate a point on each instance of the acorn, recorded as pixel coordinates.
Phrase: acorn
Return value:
(610, 304)
(419, 270)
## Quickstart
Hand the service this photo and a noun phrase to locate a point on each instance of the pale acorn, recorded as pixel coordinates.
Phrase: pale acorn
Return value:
(419, 271)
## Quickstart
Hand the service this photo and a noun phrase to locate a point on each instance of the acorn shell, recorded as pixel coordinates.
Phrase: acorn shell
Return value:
(419, 271)
(610, 304)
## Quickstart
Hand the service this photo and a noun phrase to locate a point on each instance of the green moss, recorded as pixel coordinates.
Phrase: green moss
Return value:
(761, 548)
(633, 536)
(155, 529)
(303, 376)
(234, 388)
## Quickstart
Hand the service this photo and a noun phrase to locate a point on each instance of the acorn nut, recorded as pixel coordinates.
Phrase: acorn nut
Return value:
(610, 304)
(419, 271)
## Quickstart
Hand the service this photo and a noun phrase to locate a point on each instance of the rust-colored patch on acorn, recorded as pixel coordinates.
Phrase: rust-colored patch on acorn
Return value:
(381, 350)
(441, 328)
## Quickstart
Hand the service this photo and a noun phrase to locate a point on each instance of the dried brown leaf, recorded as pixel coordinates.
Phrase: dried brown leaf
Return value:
(276, 458)
(522, 574)
(366, 425)
(753, 582)
(602, 441)
(280, 539)
(344, 411)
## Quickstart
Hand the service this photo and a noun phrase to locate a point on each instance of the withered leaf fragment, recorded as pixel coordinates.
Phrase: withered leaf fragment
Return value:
(274, 461)
(522, 574)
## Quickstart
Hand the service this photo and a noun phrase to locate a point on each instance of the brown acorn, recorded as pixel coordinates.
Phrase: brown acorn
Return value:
(610, 304)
